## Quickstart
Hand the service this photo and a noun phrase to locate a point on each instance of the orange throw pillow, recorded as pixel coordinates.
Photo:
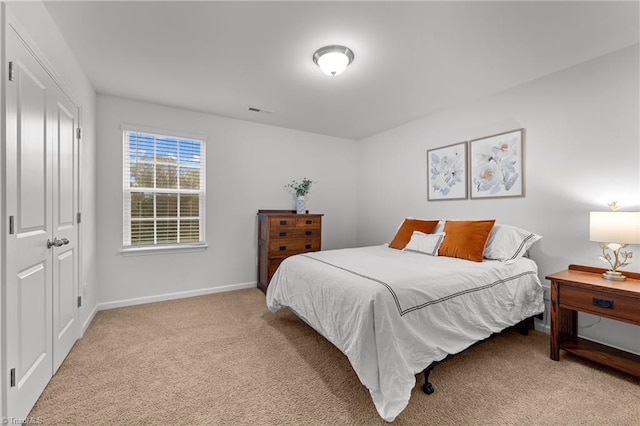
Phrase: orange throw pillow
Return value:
(466, 239)
(406, 230)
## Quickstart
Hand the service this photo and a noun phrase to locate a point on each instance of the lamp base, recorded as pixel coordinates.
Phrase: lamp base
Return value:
(614, 276)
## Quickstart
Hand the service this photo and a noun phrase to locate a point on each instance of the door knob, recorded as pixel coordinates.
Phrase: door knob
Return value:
(56, 242)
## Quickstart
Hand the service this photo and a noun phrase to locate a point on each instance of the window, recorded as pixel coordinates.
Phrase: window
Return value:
(163, 191)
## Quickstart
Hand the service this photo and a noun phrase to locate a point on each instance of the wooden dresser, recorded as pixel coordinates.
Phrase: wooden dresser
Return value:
(283, 233)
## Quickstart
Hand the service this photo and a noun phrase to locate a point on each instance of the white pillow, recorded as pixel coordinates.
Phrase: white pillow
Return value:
(509, 242)
(439, 227)
(425, 243)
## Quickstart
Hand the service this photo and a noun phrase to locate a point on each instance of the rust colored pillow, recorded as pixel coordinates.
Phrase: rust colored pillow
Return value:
(466, 239)
(406, 230)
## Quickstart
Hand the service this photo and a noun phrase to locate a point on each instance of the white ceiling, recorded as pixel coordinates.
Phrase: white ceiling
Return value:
(411, 58)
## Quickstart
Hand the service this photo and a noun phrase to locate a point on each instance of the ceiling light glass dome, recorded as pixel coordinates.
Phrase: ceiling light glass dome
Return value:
(333, 60)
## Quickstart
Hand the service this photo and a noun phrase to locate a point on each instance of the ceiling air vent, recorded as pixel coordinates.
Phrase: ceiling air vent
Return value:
(264, 111)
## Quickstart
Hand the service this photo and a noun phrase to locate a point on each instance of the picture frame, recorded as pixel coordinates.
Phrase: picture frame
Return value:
(497, 165)
(447, 172)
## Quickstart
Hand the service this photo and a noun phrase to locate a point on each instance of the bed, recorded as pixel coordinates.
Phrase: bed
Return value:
(394, 313)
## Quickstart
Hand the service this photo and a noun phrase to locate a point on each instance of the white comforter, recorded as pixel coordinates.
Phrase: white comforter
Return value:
(392, 313)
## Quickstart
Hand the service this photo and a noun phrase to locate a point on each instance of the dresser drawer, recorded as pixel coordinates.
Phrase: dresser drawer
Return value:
(287, 247)
(278, 233)
(282, 222)
(599, 302)
(273, 265)
(308, 222)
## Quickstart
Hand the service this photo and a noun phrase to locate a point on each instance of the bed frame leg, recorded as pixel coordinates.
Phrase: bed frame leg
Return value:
(525, 324)
(427, 387)
(523, 327)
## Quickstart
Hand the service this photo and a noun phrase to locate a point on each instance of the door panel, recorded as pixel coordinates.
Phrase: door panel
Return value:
(66, 161)
(65, 311)
(65, 307)
(32, 156)
(33, 321)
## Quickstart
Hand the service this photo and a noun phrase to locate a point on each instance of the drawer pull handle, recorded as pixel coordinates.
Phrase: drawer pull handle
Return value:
(283, 234)
(282, 248)
(283, 222)
(309, 222)
(603, 303)
(308, 246)
(308, 233)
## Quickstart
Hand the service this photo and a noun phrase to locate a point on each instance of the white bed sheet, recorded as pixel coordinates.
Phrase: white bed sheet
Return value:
(392, 313)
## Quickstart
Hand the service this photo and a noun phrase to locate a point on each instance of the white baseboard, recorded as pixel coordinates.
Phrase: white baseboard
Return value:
(87, 322)
(540, 326)
(172, 296)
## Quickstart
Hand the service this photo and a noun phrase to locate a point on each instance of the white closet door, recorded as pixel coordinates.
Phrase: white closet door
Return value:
(65, 199)
(29, 261)
(40, 305)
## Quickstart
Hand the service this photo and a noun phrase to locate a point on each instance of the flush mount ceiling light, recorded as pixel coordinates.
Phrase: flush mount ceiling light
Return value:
(333, 60)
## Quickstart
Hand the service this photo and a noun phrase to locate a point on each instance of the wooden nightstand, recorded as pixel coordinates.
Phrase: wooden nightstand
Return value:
(582, 289)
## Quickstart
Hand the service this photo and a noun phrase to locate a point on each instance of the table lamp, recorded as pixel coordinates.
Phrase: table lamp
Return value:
(614, 231)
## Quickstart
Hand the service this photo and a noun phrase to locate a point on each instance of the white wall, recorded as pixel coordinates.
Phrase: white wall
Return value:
(248, 165)
(35, 24)
(582, 151)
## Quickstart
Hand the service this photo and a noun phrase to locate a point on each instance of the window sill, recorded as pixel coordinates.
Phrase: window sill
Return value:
(168, 249)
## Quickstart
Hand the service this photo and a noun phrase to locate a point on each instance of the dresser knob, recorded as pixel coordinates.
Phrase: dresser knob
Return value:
(282, 248)
(308, 246)
(283, 222)
(308, 233)
(309, 222)
(283, 234)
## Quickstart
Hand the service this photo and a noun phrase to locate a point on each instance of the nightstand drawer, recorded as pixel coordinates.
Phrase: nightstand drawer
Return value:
(599, 302)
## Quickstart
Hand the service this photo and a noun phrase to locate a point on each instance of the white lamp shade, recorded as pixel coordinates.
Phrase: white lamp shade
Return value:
(333, 63)
(615, 227)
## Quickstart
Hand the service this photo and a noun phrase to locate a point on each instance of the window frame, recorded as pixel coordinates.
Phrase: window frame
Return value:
(127, 190)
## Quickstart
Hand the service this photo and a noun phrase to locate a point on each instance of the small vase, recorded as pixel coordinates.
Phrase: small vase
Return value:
(300, 204)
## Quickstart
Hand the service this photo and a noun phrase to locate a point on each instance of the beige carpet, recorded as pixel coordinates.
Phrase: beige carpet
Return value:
(225, 359)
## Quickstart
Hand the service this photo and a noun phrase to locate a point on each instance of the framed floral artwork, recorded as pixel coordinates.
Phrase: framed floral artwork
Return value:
(497, 165)
(447, 172)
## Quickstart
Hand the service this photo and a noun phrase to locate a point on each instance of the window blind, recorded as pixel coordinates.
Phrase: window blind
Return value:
(163, 190)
